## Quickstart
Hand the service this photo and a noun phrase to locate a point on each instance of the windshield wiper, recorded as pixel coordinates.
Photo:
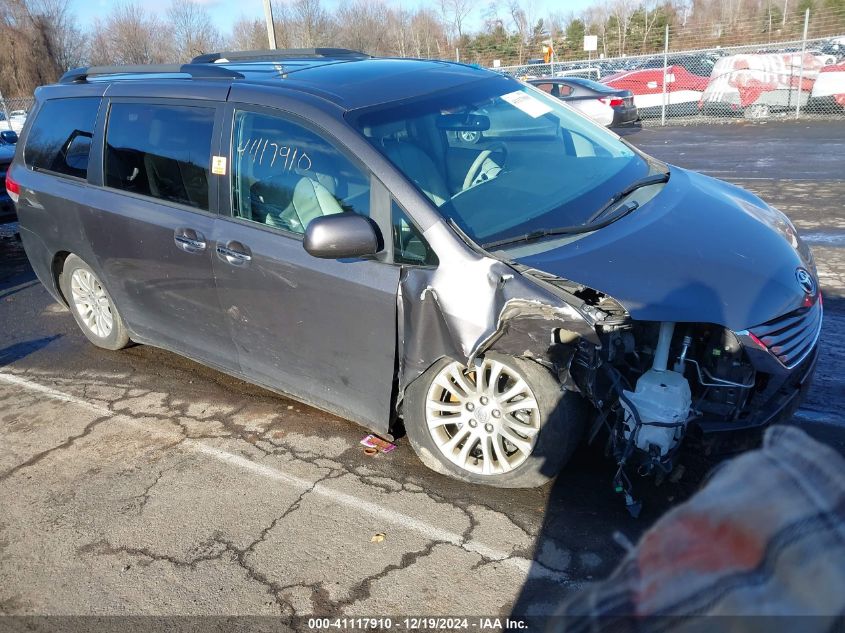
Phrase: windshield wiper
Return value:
(591, 224)
(527, 237)
(624, 210)
(652, 179)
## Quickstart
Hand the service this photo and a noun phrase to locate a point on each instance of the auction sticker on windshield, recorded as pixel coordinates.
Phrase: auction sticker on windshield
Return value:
(529, 104)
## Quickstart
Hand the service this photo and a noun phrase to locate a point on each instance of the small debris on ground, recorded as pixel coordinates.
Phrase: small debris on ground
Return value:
(378, 538)
(374, 444)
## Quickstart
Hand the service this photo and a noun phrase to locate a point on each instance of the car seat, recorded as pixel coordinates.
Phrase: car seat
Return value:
(172, 179)
(411, 159)
(291, 207)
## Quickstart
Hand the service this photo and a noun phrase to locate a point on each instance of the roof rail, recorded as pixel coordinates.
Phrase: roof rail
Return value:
(195, 71)
(281, 53)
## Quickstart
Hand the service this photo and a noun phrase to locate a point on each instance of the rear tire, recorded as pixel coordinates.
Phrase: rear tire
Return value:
(500, 432)
(92, 306)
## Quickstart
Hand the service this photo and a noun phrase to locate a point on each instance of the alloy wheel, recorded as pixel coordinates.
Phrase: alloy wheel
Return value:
(91, 302)
(484, 419)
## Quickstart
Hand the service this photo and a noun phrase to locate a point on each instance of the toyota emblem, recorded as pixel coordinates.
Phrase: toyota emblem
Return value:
(806, 281)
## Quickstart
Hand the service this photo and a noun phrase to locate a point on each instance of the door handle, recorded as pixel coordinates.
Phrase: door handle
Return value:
(189, 240)
(234, 253)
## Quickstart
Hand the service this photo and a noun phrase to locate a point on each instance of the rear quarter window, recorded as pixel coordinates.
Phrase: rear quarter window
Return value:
(160, 151)
(60, 138)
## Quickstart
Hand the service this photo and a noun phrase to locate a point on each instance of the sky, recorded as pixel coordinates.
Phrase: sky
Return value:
(225, 12)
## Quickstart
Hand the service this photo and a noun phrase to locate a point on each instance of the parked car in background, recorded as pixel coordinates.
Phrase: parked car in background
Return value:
(701, 65)
(828, 94)
(835, 48)
(611, 107)
(824, 57)
(758, 85)
(683, 90)
(17, 118)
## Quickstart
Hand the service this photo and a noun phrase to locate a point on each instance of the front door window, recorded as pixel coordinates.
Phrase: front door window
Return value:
(284, 175)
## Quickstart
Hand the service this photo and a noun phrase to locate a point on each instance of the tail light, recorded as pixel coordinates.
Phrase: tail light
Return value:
(613, 102)
(12, 187)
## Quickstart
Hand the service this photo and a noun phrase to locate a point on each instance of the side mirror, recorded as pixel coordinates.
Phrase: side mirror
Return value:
(341, 236)
(9, 136)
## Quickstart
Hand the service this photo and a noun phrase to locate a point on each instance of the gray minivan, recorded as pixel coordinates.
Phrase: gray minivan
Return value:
(311, 221)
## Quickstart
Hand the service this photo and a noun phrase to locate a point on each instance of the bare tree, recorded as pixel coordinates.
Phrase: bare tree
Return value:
(313, 25)
(248, 35)
(455, 13)
(622, 10)
(192, 29)
(32, 44)
(68, 41)
(361, 25)
(522, 19)
(597, 17)
(285, 25)
(130, 35)
(400, 32)
(428, 35)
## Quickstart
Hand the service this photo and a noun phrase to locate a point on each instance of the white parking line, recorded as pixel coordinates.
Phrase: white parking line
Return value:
(427, 530)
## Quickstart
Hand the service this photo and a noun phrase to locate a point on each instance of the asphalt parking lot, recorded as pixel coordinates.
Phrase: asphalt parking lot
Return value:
(139, 482)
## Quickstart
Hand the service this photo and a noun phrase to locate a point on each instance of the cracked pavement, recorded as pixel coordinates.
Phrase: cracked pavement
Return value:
(139, 482)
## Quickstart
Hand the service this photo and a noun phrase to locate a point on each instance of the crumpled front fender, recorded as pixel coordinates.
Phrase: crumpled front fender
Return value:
(471, 303)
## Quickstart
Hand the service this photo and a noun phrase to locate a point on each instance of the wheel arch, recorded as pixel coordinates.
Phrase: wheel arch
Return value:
(56, 267)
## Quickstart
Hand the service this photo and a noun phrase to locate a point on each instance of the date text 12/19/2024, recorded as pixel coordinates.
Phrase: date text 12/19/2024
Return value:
(421, 623)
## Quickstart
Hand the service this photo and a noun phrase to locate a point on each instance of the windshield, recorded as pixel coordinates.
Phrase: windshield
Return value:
(502, 159)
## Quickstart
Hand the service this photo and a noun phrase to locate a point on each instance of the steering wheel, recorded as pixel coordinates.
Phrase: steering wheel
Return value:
(484, 168)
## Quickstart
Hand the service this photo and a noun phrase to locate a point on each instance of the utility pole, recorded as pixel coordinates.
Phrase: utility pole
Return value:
(665, 75)
(801, 72)
(271, 27)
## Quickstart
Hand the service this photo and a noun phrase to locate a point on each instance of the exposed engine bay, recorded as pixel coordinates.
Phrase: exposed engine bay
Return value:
(649, 381)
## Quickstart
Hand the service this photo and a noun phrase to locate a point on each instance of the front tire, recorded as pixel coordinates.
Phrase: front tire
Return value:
(92, 306)
(505, 422)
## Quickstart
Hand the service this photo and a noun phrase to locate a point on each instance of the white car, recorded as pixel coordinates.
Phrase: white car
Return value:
(606, 105)
(17, 118)
(756, 85)
(829, 90)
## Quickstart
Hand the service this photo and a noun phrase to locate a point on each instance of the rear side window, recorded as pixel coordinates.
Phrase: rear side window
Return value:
(60, 138)
(161, 151)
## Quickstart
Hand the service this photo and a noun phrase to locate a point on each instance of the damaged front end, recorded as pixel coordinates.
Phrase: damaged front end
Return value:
(649, 382)
(489, 306)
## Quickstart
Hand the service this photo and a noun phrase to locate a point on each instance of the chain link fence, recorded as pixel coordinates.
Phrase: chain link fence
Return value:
(710, 71)
(800, 78)
(13, 112)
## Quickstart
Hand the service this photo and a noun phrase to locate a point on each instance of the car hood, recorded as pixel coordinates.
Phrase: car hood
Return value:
(701, 250)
